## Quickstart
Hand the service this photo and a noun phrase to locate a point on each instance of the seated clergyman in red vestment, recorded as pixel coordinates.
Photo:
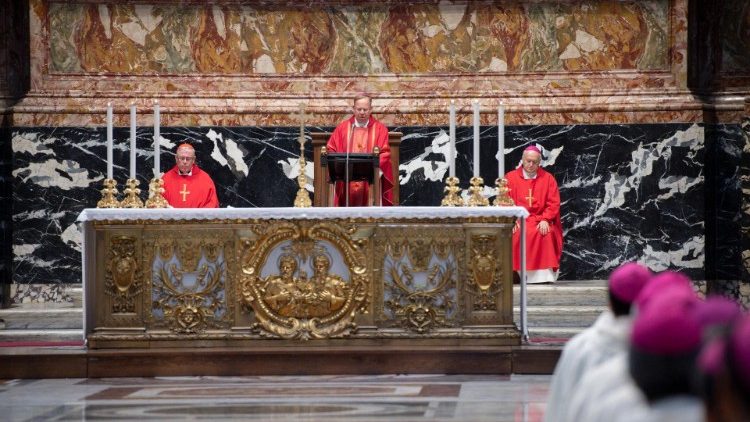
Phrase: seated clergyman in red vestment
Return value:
(536, 190)
(186, 185)
(361, 133)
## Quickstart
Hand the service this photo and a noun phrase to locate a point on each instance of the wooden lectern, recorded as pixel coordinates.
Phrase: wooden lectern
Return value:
(321, 183)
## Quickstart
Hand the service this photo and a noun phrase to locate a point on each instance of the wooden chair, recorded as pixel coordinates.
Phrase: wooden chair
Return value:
(323, 197)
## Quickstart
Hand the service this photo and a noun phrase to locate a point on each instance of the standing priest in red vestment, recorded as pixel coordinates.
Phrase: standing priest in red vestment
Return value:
(536, 190)
(186, 185)
(361, 133)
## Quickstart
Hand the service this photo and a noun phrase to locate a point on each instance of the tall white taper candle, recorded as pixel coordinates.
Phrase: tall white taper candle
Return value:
(157, 135)
(132, 141)
(501, 141)
(476, 138)
(452, 137)
(110, 159)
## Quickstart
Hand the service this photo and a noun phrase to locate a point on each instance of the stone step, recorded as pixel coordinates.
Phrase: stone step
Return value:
(551, 295)
(557, 334)
(51, 336)
(560, 316)
(30, 317)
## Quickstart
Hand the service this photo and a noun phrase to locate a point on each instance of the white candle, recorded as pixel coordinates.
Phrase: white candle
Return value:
(501, 141)
(476, 138)
(109, 141)
(452, 137)
(157, 135)
(132, 141)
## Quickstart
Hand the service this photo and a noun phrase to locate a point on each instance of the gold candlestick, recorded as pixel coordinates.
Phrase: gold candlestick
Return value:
(109, 195)
(303, 197)
(475, 193)
(156, 194)
(452, 198)
(132, 200)
(502, 199)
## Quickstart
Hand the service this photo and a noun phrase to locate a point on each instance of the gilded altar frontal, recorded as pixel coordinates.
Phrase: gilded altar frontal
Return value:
(272, 281)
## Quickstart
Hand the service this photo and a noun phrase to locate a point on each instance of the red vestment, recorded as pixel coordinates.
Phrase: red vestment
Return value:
(196, 190)
(362, 140)
(541, 198)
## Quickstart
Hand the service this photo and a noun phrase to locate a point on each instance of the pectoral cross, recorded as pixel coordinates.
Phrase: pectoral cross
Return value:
(184, 192)
(530, 198)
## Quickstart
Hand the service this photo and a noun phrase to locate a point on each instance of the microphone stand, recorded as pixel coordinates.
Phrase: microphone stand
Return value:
(346, 173)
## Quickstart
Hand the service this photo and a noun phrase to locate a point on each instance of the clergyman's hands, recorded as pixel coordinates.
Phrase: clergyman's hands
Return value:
(543, 227)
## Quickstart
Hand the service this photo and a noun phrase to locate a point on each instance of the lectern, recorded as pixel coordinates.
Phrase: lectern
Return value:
(359, 163)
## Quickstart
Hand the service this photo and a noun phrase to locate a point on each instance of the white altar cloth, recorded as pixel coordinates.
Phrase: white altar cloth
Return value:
(124, 214)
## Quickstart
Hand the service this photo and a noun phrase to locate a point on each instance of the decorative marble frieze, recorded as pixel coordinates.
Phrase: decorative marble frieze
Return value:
(630, 192)
(372, 38)
(234, 64)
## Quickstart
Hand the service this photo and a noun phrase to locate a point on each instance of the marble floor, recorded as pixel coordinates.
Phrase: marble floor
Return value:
(278, 398)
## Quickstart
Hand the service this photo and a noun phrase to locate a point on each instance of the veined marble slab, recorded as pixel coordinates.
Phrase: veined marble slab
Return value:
(645, 193)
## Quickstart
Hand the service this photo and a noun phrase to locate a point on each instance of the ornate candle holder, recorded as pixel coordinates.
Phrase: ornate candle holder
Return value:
(109, 195)
(131, 195)
(303, 197)
(502, 199)
(156, 194)
(452, 198)
(475, 193)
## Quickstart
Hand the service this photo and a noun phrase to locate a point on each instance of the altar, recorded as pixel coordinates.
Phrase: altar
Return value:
(292, 277)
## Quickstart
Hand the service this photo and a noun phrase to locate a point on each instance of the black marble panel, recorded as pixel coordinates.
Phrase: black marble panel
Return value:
(724, 145)
(6, 211)
(629, 192)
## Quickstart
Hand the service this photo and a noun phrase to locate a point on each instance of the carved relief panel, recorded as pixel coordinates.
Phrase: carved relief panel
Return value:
(304, 280)
(189, 274)
(123, 280)
(420, 275)
(489, 270)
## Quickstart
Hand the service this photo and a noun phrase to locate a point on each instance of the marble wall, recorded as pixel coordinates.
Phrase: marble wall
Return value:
(629, 192)
(637, 104)
(360, 37)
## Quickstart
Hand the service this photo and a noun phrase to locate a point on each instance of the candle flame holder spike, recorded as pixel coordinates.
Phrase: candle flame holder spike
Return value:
(132, 199)
(475, 193)
(452, 197)
(502, 199)
(109, 195)
(156, 194)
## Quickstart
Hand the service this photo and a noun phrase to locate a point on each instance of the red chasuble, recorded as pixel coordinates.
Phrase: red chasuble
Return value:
(362, 140)
(194, 191)
(541, 198)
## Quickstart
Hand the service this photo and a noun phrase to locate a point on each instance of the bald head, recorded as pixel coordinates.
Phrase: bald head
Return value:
(185, 158)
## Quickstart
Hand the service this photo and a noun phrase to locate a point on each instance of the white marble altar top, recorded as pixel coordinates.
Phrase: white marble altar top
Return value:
(100, 214)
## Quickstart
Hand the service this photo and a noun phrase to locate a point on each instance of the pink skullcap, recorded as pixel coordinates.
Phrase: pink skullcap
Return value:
(666, 282)
(667, 327)
(627, 281)
(739, 346)
(717, 310)
(533, 148)
(711, 358)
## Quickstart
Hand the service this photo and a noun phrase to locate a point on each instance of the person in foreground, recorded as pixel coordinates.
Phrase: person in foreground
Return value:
(186, 185)
(536, 190)
(608, 338)
(360, 134)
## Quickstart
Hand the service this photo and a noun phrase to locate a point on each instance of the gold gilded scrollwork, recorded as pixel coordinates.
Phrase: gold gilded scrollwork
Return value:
(484, 272)
(122, 276)
(430, 302)
(189, 283)
(291, 305)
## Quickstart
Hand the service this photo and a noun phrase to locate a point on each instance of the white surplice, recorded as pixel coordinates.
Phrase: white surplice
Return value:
(605, 339)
